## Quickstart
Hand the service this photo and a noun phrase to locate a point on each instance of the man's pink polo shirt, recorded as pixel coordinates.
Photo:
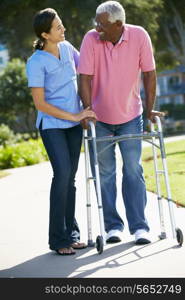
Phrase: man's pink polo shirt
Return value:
(116, 72)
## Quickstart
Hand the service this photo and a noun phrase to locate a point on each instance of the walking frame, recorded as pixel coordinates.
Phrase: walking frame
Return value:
(150, 137)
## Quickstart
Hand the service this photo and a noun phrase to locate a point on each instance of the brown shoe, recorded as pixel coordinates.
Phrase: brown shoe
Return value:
(78, 245)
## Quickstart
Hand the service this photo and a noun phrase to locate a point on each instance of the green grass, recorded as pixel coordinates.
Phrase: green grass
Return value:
(3, 174)
(175, 152)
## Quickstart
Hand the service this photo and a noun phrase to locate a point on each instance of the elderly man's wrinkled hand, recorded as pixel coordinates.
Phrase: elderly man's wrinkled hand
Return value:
(152, 114)
(85, 123)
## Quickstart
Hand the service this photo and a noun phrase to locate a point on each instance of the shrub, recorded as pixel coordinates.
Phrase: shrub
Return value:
(6, 135)
(22, 154)
(16, 103)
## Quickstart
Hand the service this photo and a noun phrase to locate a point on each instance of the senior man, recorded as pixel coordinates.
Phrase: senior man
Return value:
(112, 58)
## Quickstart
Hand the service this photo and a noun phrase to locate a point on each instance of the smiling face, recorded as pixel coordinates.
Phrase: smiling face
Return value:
(108, 31)
(56, 33)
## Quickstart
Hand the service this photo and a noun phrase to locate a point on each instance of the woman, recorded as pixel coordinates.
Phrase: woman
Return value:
(51, 72)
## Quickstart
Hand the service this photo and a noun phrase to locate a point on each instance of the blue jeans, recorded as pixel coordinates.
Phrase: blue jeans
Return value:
(133, 184)
(63, 148)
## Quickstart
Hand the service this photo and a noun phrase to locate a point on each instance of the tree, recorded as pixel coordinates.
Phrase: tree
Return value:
(171, 42)
(144, 13)
(16, 104)
(77, 15)
(17, 15)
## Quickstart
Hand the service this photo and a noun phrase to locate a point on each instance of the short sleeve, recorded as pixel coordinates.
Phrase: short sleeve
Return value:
(35, 73)
(86, 61)
(76, 56)
(147, 61)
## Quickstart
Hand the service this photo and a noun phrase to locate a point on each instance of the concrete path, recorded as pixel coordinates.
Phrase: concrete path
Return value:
(24, 209)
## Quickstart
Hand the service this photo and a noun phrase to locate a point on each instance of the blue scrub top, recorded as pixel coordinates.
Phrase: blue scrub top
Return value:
(59, 80)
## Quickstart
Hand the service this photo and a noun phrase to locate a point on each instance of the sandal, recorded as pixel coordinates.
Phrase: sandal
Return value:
(62, 251)
(78, 245)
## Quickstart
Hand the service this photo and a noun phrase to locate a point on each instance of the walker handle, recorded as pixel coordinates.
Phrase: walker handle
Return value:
(158, 121)
(93, 131)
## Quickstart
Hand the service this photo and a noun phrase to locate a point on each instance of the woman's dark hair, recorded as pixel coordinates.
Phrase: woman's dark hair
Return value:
(42, 23)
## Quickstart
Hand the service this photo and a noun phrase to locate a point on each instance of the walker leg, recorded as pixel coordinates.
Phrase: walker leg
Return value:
(158, 187)
(98, 189)
(168, 190)
(90, 242)
(177, 233)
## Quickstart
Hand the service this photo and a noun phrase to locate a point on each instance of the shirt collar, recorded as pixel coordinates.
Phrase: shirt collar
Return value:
(125, 35)
(121, 38)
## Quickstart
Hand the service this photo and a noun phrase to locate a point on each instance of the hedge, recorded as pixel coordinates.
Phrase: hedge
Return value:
(22, 154)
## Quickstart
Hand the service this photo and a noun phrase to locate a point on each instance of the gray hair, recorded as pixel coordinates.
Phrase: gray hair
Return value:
(114, 9)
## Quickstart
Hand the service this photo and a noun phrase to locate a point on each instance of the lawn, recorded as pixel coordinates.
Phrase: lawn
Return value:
(175, 152)
(3, 174)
